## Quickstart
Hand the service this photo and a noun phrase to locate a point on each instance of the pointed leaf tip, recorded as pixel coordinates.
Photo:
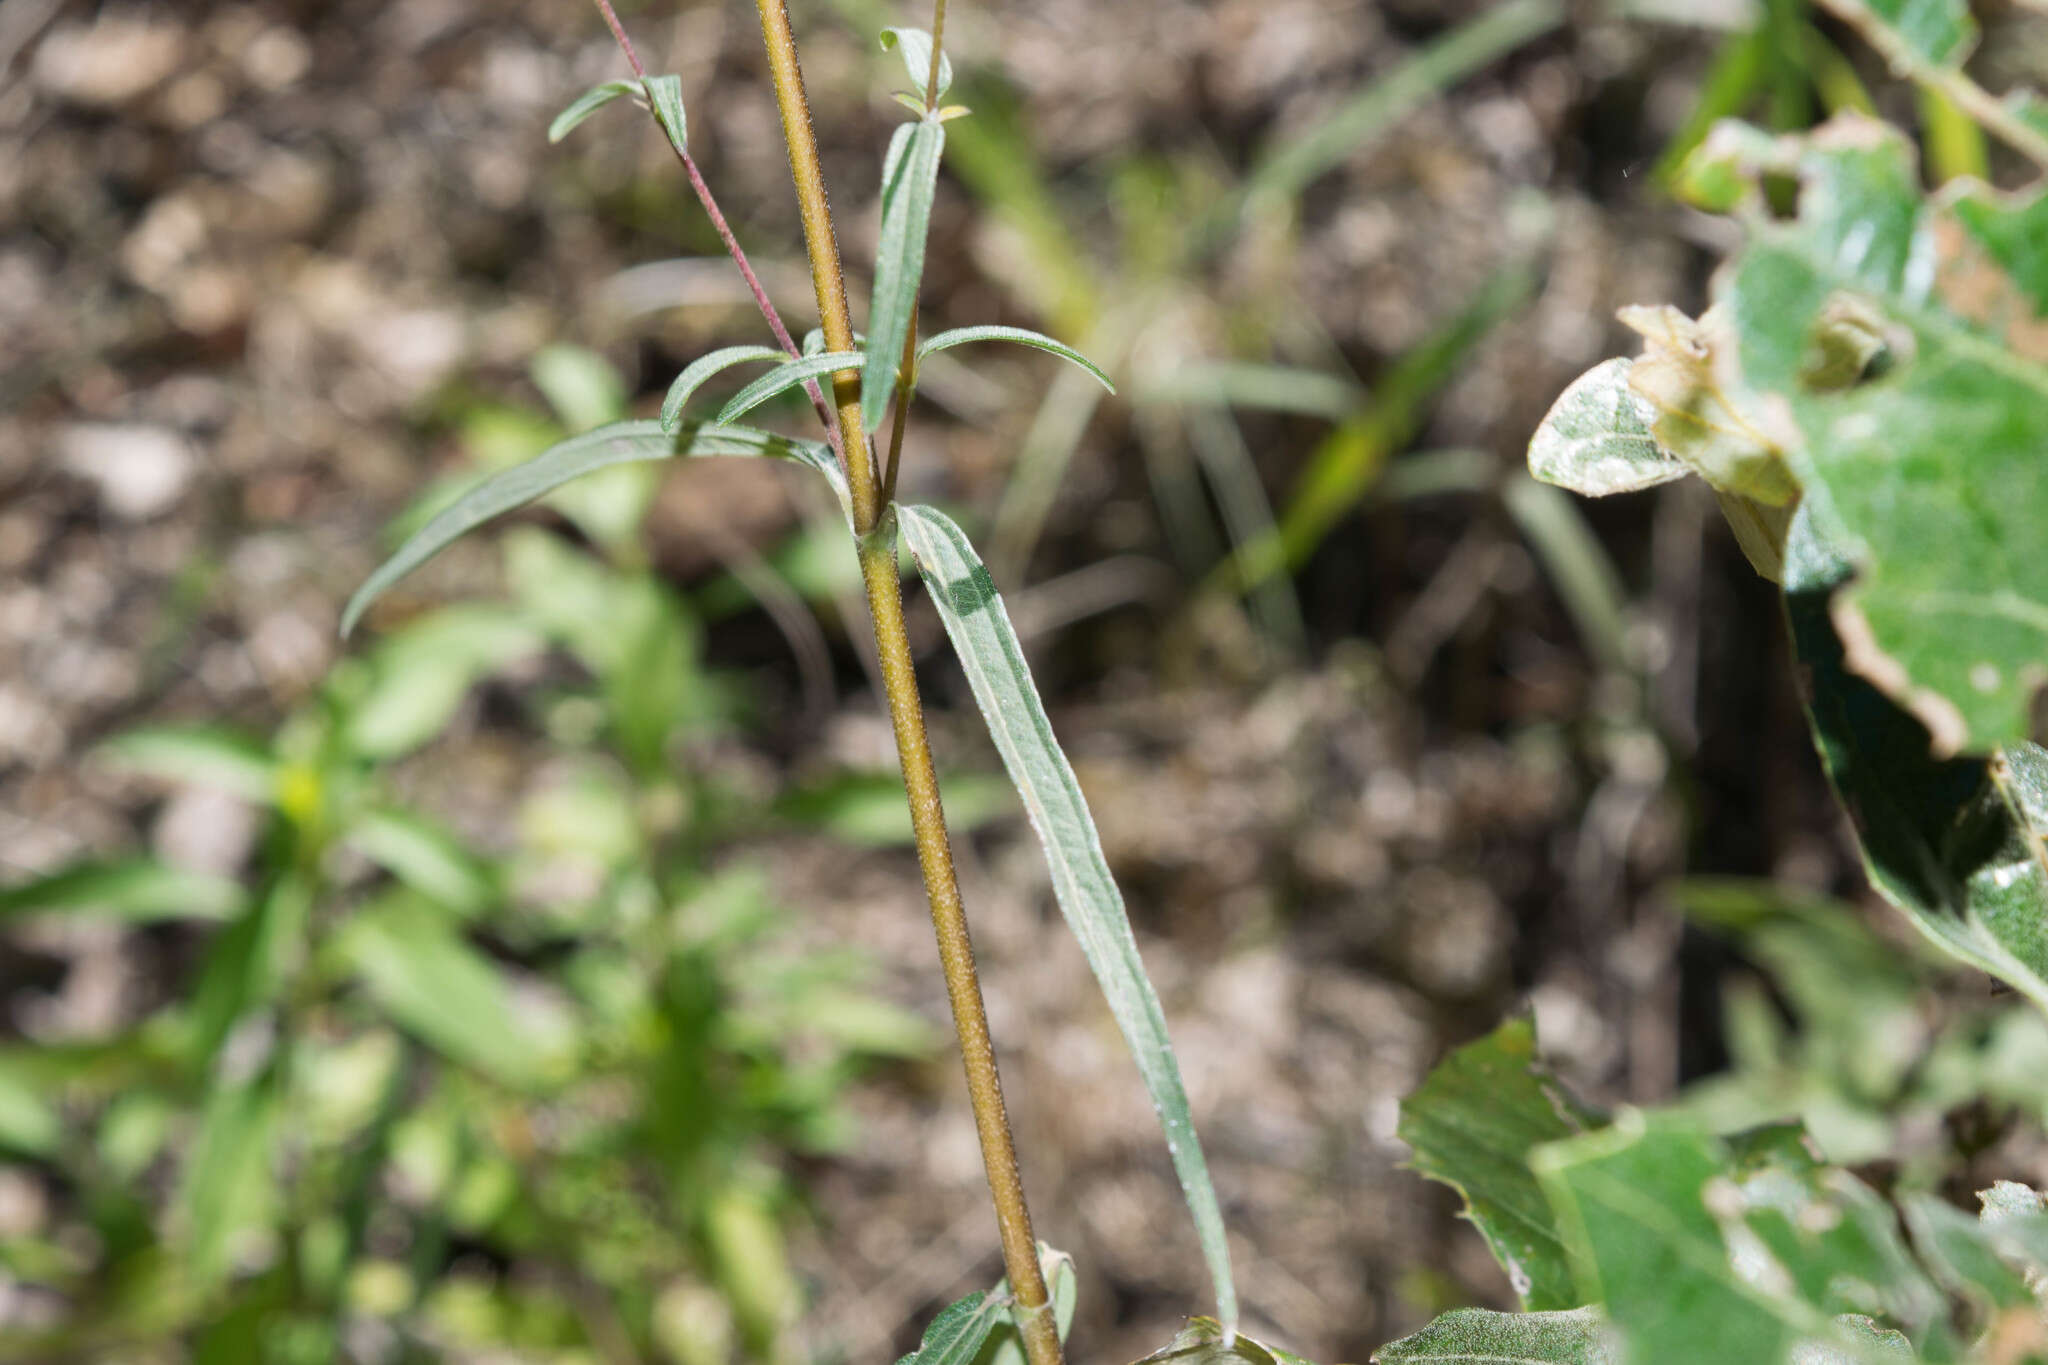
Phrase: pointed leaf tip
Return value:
(916, 46)
(586, 104)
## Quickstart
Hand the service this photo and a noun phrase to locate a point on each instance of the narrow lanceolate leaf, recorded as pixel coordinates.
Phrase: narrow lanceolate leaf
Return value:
(987, 646)
(911, 178)
(785, 377)
(1596, 438)
(957, 1332)
(665, 98)
(1477, 1336)
(1472, 1125)
(205, 755)
(618, 443)
(138, 889)
(702, 368)
(916, 46)
(228, 1192)
(960, 336)
(586, 104)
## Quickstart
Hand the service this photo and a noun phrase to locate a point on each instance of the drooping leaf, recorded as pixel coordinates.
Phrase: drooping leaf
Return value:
(987, 647)
(1472, 1125)
(957, 1332)
(135, 889)
(702, 368)
(665, 98)
(784, 377)
(910, 180)
(960, 336)
(1205, 1342)
(1596, 438)
(586, 104)
(207, 755)
(616, 444)
(916, 47)
(1470, 1336)
(436, 985)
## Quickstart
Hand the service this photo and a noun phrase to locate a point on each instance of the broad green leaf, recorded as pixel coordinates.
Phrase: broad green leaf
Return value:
(987, 647)
(957, 1332)
(586, 104)
(1005, 1345)
(1472, 1125)
(228, 1194)
(425, 857)
(1968, 1254)
(1955, 843)
(1939, 32)
(1947, 610)
(615, 444)
(29, 1122)
(910, 179)
(141, 890)
(960, 336)
(702, 368)
(1596, 438)
(1477, 1336)
(210, 756)
(916, 47)
(665, 98)
(784, 377)
(437, 986)
(1204, 1341)
(420, 674)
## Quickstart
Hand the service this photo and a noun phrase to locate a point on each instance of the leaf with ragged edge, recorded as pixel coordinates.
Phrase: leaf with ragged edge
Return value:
(785, 377)
(207, 755)
(139, 890)
(1472, 1336)
(1472, 1125)
(1005, 1345)
(1596, 437)
(665, 98)
(1204, 1342)
(960, 336)
(916, 47)
(987, 647)
(702, 368)
(1948, 608)
(579, 455)
(910, 178)
(957, 1332)
(1955, 843)
(586, 104)
(1652, 1212)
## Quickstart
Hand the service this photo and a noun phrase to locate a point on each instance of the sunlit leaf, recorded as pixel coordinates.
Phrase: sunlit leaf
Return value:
(425, 857)
(616, 444)
(1470, 1336)
(206, 755)
(988, 650)
(229, 1190)
(1596, 438)
(702, 368)
(135, 889)
(910, 180)
(586, 104)
(785, 377)
(960, 336)
(665, 98)
(421, 674)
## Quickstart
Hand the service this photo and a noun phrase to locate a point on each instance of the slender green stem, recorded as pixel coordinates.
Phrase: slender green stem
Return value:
(875, 528)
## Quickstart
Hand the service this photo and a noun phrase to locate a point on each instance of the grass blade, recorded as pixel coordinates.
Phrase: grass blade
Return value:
(618, 443)
(994, 662)
(586, 104)
(1023, 336)
(702, 368)
(912, 179)
(785, 377)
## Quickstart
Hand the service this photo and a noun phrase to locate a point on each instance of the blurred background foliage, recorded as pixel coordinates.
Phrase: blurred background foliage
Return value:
(544, 978)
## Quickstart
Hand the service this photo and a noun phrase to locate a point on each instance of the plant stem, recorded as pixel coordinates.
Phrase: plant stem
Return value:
(931, 79)
(905, 378)
(732, 245)
(875, 528)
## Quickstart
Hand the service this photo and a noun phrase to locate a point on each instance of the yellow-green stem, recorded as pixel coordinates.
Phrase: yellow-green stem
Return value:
(875, 528)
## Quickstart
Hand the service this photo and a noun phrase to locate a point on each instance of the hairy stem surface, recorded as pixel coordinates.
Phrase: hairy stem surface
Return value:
(876, 531)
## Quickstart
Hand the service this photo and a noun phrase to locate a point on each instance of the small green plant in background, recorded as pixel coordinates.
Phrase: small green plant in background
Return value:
(1868, 398)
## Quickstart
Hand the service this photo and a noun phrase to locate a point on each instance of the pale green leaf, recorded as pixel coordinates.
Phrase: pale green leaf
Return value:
(228, 1194)
(702, 368)
(1940, 32)
(1596, 438)
(586, 104)
(618, 443)
(1477, 1336)
(910, 180)
(140, 890)
(425, 857)
(988, 650)
(785, 377)
(916, 47)
(957, 1332)
(1472, 1125)
(665, 98)
(207, 755)
(960, 336)
(421, 673)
